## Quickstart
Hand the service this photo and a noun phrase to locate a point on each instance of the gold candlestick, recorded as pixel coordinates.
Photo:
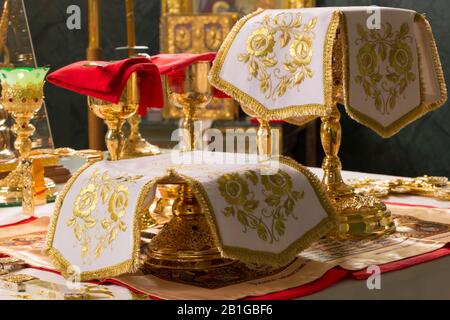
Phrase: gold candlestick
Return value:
(22, 97)
(115, 115)
(136, 145)
(94, 53)
(190, 90)
(359, 216)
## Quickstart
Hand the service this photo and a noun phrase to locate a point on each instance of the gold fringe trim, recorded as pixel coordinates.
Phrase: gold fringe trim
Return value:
(129, 266)
(422, 109)
(252, 106)
(269, 258)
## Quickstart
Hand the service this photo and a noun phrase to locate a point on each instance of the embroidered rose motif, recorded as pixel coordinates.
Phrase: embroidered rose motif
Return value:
(233, 188)
(400, 58)
(301, 50)
(278, 183)
(85, 202)
(260, 43)
(367, 60)
(118, 203)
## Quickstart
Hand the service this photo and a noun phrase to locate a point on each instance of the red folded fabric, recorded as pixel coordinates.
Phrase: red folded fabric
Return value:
(106, 80)
(169, 63)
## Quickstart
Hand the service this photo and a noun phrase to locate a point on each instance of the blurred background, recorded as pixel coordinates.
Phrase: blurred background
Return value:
(421, 148)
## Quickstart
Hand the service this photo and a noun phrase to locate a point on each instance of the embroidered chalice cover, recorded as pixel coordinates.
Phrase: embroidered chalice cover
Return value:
(277, 63)
(280, 65)
(263, 213)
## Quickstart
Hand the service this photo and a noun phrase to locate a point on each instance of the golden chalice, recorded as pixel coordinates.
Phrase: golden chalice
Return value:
(190, 90)
(116, 114)
(22, 97)
(185, 242)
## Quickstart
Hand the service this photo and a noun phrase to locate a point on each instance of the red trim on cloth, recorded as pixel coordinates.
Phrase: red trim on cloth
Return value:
(399, 204)
(28, 220)
(404, 264)
(330, 278)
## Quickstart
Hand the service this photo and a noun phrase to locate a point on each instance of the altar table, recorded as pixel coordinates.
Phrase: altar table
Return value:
(423, 280)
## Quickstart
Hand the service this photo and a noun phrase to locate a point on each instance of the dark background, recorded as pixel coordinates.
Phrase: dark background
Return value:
(421, 148)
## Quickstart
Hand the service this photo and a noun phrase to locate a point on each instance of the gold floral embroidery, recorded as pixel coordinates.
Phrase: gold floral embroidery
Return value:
(269, 221)
(101, 189)
(262, 63)
(387, 86)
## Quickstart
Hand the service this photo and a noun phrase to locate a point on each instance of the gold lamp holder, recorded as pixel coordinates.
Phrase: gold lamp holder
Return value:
(22, 101)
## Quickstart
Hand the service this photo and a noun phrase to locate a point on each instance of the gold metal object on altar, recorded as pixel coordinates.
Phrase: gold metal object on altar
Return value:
(7, 157)
(186, 241)
(197, 33)
(22, 97)
(115, 115)
(161, 210)
(136, 145)
(359, 216)
(432, 187)
(190, 91)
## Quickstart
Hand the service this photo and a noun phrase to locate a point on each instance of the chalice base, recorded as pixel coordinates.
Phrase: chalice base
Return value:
(11, 193)
(361, 217)
(139, 147)
(185, 243)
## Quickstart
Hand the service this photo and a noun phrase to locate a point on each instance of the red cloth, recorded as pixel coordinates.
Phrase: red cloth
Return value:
(106, 80)
(169, 63)
(172, 62)
(25, 221)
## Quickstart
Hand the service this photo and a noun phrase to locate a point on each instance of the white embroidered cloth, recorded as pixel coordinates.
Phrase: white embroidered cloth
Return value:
(283, 64)
(253, 216)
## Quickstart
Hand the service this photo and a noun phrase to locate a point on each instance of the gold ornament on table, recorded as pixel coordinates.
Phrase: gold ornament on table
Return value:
(186, 241)
(136, 145)
(359, 216)
(115, 115)
(190, 91)
(22, 97)
(426, 186)
(161, 210)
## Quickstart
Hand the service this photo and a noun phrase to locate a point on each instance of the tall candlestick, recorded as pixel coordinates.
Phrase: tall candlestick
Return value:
(131, 33)
(94, 52)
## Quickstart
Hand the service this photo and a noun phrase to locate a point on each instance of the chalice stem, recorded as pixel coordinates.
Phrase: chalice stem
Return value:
(134, 122)
(331, 137)
(188, 127)
(114, 138)
(23, 130)
(264, 140)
